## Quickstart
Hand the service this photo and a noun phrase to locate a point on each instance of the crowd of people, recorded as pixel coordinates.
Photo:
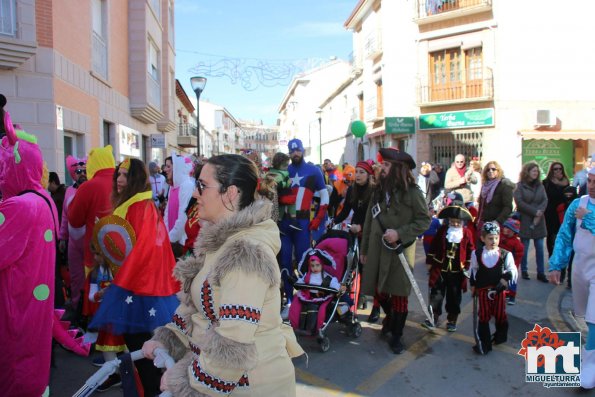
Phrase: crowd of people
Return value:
(199, 257)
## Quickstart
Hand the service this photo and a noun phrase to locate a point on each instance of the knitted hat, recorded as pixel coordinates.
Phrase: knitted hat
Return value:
(366, 166)
(491, 228)
(513, 225)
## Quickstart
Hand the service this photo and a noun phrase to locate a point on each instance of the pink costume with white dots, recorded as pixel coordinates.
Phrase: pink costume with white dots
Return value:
(28, 223)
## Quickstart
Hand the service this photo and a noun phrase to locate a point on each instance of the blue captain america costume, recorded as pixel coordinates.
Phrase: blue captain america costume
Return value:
(306, 180)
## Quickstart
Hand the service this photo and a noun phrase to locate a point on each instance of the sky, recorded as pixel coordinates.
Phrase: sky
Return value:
(250, 50)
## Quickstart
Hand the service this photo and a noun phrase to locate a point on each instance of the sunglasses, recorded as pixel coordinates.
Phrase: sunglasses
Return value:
(80, 171)
(79, 164)
(201, 186)
(492, 169)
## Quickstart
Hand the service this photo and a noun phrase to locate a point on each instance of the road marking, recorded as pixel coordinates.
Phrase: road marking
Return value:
(388, 371)
(313, 380)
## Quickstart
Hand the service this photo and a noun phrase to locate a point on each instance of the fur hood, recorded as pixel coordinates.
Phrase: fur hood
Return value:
(247, 234)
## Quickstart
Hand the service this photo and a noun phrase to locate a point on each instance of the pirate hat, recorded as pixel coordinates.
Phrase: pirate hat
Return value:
(455, 211)
(394, 154)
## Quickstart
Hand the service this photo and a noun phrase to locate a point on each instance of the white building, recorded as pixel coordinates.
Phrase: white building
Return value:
(505, 81)
(298, 117)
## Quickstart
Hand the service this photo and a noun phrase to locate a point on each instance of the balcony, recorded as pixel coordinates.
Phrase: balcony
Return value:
(479, 90)
(186, 135)
(373, 46)
(429, 11)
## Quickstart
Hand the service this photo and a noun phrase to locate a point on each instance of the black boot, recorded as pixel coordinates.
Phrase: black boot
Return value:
(374, 315)
(485, 339)
(501, 334)
(386, 327)
(397, 325)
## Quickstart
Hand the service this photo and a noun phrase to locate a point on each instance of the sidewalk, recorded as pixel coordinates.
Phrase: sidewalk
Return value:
(576, 324)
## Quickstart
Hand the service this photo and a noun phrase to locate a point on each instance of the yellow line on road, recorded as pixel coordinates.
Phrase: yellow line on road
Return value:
(310, 379)
(388, 371)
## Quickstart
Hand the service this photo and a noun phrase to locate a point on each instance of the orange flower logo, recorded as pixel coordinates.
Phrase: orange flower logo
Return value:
(538, 337)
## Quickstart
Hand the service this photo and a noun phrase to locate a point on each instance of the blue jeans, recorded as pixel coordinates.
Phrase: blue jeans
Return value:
(538, 244)
(293, 245)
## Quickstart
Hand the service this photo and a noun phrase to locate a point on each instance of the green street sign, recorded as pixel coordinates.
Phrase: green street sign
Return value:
(399, 125)
(463, 119)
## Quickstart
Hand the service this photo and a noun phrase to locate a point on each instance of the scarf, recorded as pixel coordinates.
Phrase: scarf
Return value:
(488, 189)
(461, 171)
(454, 234)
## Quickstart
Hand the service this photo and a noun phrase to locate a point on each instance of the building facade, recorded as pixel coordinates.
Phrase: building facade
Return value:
(478, 77)
(84, 74)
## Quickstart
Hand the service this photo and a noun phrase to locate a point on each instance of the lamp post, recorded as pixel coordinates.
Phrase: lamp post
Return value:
(198, 85)
(319, 114)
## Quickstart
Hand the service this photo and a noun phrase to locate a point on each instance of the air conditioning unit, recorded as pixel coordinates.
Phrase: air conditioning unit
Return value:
(545, 118)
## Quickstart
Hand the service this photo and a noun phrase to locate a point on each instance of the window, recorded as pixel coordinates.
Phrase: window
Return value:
(170, 23)
(153, 61)
(379, 99)
(156, 6)
(445, 146)
(456, 74)
(7, 17)
(99, 39)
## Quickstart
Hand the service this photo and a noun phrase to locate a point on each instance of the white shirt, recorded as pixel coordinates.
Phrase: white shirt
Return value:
(489, 259)
(158, 184)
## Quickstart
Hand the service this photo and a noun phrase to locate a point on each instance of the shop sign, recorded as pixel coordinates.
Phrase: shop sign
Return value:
(463, 119)
(129, 142)
(545, 152)
(157, 141)
(399, 125)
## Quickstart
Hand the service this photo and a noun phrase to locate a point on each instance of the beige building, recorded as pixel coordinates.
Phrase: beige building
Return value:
(81, 74)
(500, 80)
(264, 139)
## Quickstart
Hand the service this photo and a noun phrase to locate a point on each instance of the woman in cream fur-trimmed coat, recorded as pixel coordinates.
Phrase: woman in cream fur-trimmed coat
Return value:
(227, 336)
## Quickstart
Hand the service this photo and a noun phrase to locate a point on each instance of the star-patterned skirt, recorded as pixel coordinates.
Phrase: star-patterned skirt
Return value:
(127, 313)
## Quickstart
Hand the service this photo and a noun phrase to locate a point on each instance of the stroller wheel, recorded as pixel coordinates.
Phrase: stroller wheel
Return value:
(325, 344)
(357, 330)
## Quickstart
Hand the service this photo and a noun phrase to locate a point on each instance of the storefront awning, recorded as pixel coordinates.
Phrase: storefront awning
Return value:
(563, 134)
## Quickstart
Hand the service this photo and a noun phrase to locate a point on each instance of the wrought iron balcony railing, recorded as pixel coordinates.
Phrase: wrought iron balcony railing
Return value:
(428, 8)
(471, 91)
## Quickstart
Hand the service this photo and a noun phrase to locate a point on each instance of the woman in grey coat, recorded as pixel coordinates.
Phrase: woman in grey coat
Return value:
(531, 201)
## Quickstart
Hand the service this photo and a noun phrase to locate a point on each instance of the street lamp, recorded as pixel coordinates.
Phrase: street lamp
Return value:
(198, 85)
(319, 114)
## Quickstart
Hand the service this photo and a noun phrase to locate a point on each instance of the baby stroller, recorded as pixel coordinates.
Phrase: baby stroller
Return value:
(162, 360)
(339, 252)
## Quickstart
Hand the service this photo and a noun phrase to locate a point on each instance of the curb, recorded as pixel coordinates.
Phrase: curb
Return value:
(576, 324)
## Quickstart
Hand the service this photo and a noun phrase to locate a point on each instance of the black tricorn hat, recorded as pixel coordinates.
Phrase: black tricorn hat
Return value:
(455, 211)
(394, 154)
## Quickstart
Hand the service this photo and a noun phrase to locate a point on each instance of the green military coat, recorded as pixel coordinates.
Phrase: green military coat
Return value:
(408, 215)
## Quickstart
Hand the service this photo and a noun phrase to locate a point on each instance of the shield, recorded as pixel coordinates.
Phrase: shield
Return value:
(114, 237)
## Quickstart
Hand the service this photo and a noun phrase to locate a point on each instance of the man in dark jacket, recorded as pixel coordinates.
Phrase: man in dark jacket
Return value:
(397, 214)
(57, 191)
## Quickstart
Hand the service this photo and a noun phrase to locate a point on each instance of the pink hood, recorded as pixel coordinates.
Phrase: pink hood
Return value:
(21, 162)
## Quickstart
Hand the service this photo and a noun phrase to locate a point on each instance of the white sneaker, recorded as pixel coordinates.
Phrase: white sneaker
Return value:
(285, 312)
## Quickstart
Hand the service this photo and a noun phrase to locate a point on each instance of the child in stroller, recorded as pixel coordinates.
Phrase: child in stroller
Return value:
(321, 297)
(312, 299)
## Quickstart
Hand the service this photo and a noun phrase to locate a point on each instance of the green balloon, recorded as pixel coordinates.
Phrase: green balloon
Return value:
(358, 128)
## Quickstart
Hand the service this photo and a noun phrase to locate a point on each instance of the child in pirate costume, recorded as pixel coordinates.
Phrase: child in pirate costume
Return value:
(510, 241)
(492, 268)
(448, 259)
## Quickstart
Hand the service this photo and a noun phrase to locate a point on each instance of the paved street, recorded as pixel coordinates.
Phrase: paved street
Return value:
(438, 363)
